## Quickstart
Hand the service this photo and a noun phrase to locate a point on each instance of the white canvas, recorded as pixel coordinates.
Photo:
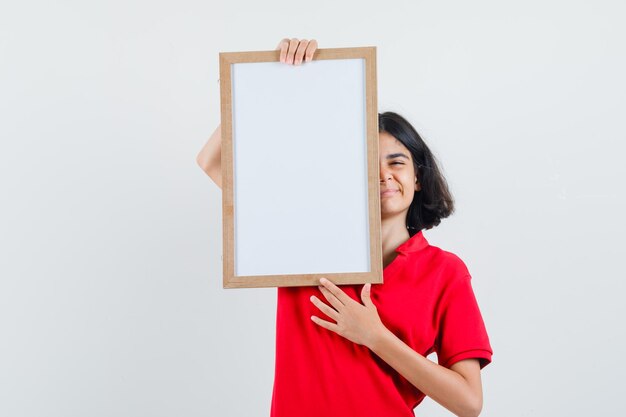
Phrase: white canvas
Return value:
(300, 168)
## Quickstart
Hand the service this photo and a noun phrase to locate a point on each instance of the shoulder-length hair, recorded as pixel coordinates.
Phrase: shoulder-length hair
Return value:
(434, 201)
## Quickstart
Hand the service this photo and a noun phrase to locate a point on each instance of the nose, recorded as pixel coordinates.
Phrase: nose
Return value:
(384, 175)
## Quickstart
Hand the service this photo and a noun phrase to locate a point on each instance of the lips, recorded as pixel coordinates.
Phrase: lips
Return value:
(388, 192)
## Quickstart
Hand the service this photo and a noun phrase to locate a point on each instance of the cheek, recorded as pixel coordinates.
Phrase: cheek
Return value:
(409, 194)
(408, 183)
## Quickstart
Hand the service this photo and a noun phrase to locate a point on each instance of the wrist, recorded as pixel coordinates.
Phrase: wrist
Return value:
(378, 338)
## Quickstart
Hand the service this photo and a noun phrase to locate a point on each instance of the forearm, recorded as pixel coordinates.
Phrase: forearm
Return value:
(445, 386)
(210, 157)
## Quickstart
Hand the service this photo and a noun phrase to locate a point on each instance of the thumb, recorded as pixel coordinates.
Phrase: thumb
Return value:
(366, 295)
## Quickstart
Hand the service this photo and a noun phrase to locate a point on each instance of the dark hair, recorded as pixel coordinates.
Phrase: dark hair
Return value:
(434, 201)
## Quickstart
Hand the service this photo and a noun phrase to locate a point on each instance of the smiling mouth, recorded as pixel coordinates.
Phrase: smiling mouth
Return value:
(388, 192)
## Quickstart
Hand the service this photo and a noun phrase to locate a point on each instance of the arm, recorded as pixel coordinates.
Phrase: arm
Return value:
(293, 52)
(210, 157)
(459, 389)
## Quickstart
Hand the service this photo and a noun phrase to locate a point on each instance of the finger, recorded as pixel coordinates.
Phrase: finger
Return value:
(293, 46)
(300, 51)
(338, 305)
(310, 50)
(325, 324)
(282, 41)
(283, 45)
(330, 312)
(366, 295)
(336, 291)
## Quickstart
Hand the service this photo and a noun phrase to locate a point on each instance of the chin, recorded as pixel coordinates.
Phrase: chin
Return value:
(386, 212)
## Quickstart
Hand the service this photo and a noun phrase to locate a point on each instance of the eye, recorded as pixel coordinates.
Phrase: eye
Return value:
(397, 163)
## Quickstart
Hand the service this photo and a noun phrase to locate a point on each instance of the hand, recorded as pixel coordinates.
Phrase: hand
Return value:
(359, 323)
(292, 51)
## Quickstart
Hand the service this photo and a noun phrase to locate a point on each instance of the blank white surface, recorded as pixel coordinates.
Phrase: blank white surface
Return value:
(300, 162)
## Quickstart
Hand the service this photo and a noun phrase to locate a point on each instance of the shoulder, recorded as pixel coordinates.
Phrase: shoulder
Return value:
(449, 264)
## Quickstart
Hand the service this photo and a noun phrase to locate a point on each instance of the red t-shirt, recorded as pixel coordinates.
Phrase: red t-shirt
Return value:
(426, 300)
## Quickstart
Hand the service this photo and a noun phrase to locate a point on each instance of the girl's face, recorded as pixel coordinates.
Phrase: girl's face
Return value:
(398, 180)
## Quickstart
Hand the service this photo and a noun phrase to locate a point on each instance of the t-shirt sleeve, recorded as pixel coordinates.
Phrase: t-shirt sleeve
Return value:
(462, 333)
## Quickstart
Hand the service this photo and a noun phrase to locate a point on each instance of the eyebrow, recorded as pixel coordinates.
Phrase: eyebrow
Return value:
(397, 155)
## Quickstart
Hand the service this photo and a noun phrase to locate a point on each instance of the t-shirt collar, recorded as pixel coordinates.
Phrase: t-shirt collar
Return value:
(413, 244)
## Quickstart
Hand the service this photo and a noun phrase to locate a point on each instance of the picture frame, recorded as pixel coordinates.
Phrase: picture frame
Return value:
(300, 180)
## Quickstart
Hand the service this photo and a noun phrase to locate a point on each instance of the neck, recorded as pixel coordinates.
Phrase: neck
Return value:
(393, 234)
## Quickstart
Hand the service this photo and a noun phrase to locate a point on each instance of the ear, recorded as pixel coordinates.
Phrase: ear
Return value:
(418, 186)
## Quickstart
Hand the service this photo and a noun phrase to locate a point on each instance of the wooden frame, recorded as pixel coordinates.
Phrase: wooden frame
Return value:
(237, 256)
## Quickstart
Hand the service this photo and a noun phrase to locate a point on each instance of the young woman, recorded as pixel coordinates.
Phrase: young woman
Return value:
(358, 350)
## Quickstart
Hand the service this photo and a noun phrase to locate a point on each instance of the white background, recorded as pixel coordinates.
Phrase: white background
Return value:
(110, 235)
